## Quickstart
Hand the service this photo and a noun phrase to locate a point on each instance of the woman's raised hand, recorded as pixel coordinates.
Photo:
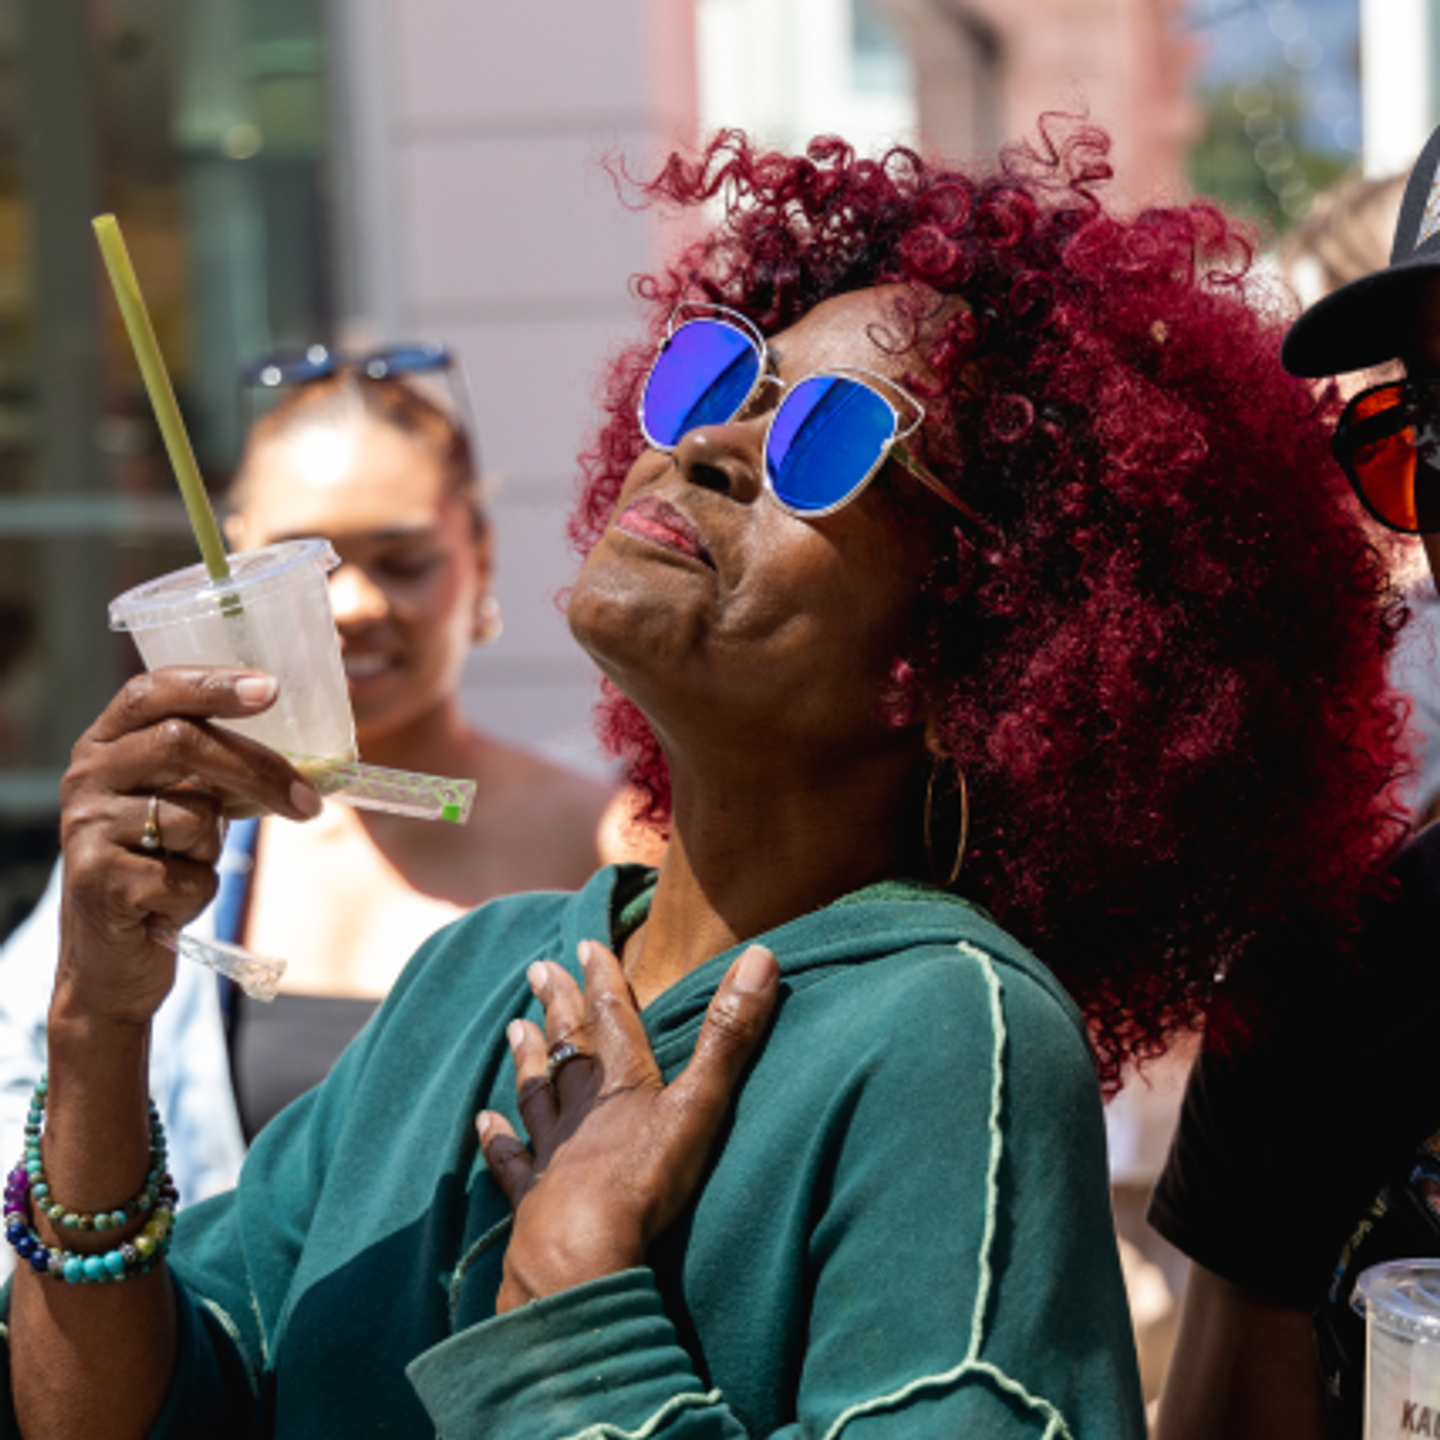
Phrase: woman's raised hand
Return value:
(617, 1153)
(129, 862)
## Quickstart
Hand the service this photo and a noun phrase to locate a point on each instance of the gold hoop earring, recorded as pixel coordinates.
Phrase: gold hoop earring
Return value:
(489, 622)
(964, 835)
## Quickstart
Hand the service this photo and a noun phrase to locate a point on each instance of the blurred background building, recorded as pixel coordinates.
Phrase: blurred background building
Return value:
(352, 171)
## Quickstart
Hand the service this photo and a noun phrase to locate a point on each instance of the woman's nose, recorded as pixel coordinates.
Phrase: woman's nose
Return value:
(727, 458)
(355, 598)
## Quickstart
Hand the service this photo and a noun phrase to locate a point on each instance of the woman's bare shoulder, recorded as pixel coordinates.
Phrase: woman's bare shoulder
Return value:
(536, 822)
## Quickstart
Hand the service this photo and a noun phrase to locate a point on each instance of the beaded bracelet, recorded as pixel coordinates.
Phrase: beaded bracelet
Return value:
(26, 1184)
(135, 1257)
(67, 1219)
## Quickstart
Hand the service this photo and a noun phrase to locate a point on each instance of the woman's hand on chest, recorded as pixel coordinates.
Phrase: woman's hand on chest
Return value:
(616, 1153)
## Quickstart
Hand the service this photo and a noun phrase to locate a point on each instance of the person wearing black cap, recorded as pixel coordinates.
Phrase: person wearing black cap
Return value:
(1376, 318)
(1312, 1152)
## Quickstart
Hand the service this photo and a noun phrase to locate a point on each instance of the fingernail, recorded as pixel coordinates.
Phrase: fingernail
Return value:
(484, 1125)
(756, 971)
(536, 976)
(515, 1033)
(585, 953)
(305, 800)
(256, 689)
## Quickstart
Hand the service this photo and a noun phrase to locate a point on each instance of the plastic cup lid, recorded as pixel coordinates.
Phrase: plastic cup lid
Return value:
(1402, 1297)
(190, 593)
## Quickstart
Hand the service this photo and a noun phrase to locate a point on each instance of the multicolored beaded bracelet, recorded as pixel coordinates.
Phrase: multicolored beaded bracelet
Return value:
(61, 1215)
(26, 1184)
(135, 1257)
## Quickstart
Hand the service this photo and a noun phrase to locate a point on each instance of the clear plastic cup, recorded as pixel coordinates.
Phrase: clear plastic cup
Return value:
(273, 614)
(1401, 1304)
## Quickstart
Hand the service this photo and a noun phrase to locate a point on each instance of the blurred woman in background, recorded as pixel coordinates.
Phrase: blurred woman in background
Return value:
(377, 468)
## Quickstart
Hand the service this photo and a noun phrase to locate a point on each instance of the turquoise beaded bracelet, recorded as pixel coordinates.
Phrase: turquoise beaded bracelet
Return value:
(134, 1257)
(61, 1215)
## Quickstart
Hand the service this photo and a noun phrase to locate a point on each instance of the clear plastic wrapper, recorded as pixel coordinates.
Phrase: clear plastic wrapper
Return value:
(395, 792)
(256, 975)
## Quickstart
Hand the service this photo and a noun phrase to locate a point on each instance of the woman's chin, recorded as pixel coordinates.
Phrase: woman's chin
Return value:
(379, 704)
(368, 696)
(625, 621)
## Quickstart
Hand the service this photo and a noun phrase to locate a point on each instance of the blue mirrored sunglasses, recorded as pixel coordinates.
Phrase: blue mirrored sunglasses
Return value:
(828, 436)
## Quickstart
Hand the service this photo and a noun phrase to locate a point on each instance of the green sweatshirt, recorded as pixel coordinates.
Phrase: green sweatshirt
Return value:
(905, 1232)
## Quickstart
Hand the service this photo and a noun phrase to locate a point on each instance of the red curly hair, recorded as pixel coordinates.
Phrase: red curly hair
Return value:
(1164, 675)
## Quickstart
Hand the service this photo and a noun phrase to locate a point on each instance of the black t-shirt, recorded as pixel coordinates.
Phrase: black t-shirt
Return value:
(280, 1050)
(1300, 1157)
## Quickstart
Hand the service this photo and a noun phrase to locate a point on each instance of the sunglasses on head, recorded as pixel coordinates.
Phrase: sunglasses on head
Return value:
(1388, 444)
(285, 368)
(826, 439)
(315, 362)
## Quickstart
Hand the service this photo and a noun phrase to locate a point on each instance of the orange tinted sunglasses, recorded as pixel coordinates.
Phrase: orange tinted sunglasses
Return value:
(1388, 444)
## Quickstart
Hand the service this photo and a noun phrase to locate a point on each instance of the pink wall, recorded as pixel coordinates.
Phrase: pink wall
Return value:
(513, 246)
(1127, 61)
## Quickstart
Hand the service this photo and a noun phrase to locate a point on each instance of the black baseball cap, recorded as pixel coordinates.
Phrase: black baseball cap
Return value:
(1371, 320)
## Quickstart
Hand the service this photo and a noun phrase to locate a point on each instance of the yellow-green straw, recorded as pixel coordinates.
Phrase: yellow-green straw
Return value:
(162, 395)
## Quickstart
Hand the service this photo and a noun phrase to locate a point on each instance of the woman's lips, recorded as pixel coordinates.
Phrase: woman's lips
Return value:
(362, 667)
(658, 521)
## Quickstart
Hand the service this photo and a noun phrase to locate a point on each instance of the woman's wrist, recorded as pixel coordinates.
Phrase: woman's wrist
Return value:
(88, 1036)
(554, 1266)
(97, 1142)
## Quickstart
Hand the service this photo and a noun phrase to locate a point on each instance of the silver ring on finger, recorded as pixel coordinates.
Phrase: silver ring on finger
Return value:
(150, 837)
(559, 1057)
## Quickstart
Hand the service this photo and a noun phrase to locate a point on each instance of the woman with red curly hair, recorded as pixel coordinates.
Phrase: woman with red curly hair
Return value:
(969, 578)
